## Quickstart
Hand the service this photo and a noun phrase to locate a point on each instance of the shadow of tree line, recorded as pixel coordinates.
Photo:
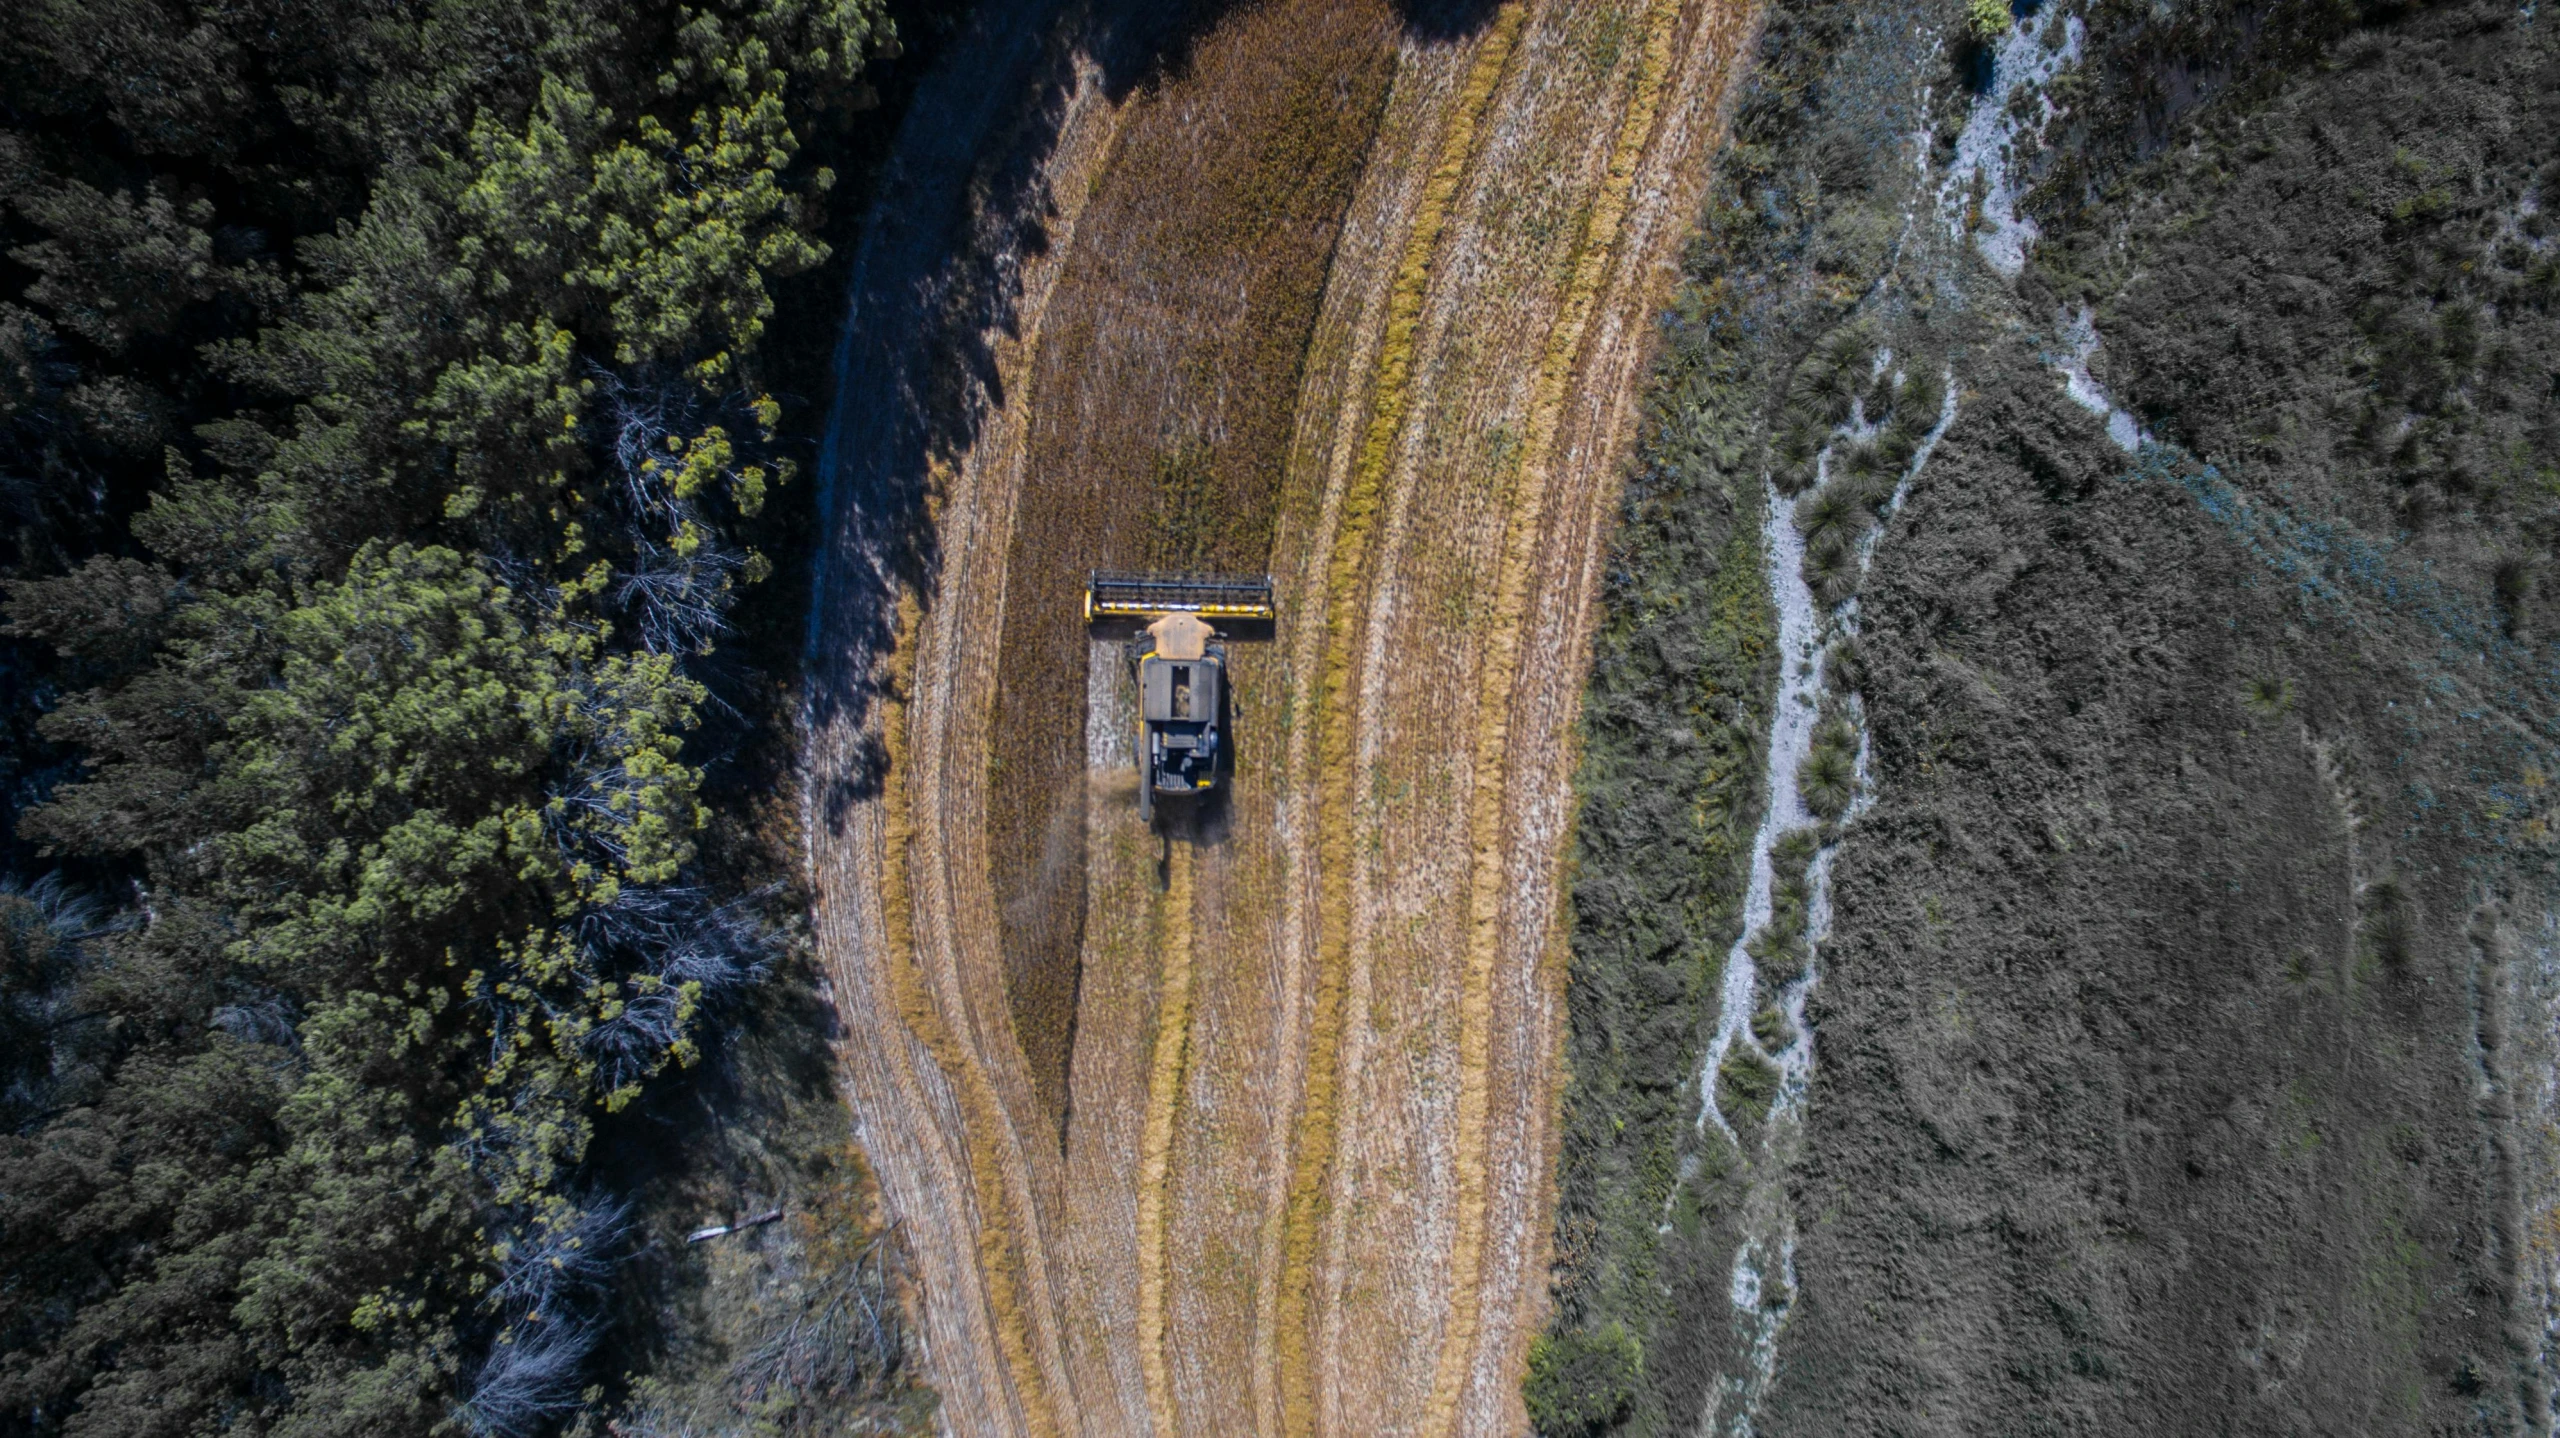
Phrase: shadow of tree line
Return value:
(935, 284)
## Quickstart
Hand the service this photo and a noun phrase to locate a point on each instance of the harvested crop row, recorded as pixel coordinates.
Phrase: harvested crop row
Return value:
(1164, 1092)
(1174, 1225)
(1502, 302)
(1343, 565)
(999, 1207)
(1490, 841)
(1331, 431)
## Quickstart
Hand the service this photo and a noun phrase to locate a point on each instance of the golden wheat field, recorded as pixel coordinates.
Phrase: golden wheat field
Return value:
(1246, 1124)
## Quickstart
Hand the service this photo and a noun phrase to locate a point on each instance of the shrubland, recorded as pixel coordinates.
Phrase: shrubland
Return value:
(2202, 855)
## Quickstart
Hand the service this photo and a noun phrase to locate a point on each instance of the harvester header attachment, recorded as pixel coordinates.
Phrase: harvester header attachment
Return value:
(1114, 595)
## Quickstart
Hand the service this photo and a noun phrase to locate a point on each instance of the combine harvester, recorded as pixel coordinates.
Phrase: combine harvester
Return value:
(1181, 669)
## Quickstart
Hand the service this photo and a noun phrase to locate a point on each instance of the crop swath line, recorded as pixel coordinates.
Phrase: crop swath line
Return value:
(1364, 336)
(1164, 1095)
(1596, 252)
(942, 688)
(999, 1253)
(1348, 562)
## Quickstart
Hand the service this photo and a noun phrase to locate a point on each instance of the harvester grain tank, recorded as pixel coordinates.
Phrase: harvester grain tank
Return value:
(1181, 669)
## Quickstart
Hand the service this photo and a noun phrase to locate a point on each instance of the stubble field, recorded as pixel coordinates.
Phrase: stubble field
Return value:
(1247, 1125)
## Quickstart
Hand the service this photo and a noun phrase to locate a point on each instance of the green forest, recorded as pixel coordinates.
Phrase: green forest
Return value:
(386, 449)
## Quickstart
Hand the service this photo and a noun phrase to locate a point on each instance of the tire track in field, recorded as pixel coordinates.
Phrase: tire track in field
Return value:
(1343, 565)
(923, 1021)
(999, 1248)
(955, 940)
(1395, 1270)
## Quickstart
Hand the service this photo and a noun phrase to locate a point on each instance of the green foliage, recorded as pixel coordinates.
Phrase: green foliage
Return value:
(1987, 19)
(117, 266)
(2387, 926)
(1828, 778)
(2266, 695)
(1828, 516)
(1674, 723)
(1581, 1381)
(1760, 373)
(1770, 1028)
(1831, 568)
(416, 416)
(1746, 1086)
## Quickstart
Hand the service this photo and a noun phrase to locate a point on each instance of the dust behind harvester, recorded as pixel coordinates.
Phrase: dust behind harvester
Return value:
(1181, 668)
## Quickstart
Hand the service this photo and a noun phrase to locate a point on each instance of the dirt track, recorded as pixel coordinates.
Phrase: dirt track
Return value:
(1300, 1180)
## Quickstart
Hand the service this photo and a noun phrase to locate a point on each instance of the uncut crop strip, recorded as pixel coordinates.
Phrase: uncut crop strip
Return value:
(1390, 391)
(1490, 844)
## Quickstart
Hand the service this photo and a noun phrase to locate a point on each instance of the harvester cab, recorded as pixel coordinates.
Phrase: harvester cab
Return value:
(1180, 661)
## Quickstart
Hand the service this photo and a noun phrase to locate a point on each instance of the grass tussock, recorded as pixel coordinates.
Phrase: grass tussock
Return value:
(2266, 695)
(1828, 516)
(1831, 569)
(1746, 1087)
(1828, 778)
(1771, 1029)
(2387, 925)
(1581, 1381)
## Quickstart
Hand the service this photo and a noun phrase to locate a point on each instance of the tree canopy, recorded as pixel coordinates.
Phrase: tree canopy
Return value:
(379, 414)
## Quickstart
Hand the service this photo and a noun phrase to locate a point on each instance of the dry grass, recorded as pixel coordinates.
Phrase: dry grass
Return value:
(1169, 371)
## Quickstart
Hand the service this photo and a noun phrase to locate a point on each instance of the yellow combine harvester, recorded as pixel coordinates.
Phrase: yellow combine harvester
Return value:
(1181, 669)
